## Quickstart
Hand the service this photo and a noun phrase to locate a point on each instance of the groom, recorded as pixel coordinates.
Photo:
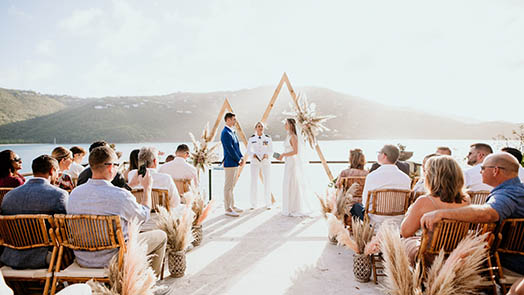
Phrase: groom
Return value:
(232, 159)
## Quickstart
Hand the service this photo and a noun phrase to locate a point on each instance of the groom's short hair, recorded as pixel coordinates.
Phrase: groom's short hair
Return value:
(182, 148)
(229, 116)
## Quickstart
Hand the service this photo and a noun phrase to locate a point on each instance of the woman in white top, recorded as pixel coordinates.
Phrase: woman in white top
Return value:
(78, 155)
(294, 191)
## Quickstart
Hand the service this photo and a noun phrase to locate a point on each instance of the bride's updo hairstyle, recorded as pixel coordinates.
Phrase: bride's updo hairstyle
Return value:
(292, 125)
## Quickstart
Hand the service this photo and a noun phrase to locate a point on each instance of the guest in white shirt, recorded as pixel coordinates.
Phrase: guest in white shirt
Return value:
(472, 176)
(517, 154)
(148, 156)
(78, 155)
(179, 168)
(386, 176)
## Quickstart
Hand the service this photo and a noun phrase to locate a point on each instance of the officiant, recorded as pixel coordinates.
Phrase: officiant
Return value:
(259, 150)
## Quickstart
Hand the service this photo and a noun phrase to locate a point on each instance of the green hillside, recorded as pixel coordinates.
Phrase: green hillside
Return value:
(170, 117)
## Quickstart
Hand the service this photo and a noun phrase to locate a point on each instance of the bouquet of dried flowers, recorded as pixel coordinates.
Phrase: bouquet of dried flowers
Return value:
(202, 156)
(199, 207)
(177, 225)
(362, 233)
(306, 115)
(136, 277)
(459, 274)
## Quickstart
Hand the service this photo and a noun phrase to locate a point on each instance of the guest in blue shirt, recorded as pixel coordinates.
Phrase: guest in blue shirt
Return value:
(506, 200)
(36, 196)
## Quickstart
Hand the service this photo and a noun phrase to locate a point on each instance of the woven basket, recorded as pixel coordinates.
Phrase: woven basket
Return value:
(362, 267)
(197, 235)
(177, 263)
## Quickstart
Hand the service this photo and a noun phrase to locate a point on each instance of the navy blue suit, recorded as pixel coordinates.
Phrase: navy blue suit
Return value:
(231, 147)
(36, 196)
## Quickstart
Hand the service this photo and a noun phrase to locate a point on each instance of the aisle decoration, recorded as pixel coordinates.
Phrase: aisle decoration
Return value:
(459, 274)
(202, 156)
(136, 277)
(177, 226)
(362, 233)
(201, 211)
(306, 115)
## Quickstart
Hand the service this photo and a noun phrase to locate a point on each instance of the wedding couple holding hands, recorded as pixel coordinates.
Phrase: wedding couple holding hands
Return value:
(259, 151)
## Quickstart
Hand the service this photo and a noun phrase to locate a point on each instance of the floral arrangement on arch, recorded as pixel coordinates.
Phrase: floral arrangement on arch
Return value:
(306, 115)
(203, 156)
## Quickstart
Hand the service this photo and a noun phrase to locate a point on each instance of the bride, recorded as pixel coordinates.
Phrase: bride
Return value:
(294, 192)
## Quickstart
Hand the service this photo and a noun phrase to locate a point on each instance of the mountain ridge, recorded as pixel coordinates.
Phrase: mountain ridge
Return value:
(169, 117)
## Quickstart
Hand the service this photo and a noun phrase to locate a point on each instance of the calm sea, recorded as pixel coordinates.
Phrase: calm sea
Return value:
(332, 150)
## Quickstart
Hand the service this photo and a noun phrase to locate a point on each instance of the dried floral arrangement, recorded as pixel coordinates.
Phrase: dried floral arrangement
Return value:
(203, 156)
(177, 225)
(136, 277)
(336, 202)
(458, 274)
(362, 232)
(199, 207)
(306, 115)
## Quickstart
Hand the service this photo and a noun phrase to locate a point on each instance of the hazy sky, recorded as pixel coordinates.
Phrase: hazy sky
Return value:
(463, 58)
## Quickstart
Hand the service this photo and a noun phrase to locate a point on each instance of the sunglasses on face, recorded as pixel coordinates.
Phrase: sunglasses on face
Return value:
(114, 164)
(17, 160)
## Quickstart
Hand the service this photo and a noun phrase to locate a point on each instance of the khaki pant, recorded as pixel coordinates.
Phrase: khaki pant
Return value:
(229, 185)
(156, 244)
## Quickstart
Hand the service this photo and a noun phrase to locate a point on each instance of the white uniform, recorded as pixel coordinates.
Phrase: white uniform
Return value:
(260, 146)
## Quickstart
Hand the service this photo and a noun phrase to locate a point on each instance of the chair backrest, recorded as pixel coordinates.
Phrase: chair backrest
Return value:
(182, 185)
(511, 236)
(159, 197)
(388, 202)
(89, 232)
(22, 232)
(414, 181)
(3, 192)
(478, 197)
(447, 234)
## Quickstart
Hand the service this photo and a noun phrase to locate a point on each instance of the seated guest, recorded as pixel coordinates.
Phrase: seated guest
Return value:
(148, 156)
(386, 176)
(78, 155)
(357, 160)
(419, 186)
(179, 168)
(64, 158)
(99, 197)
(506, 200)
(402, 165)
(10, 163)
(518, 155)
(472, 177)
(133, 163)
(118, 180)
(444, 182)
(443, 150)
(36, 196)
(169, 158)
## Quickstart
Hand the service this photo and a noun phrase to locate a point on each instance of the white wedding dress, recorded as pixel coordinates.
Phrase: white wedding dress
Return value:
(294, 192)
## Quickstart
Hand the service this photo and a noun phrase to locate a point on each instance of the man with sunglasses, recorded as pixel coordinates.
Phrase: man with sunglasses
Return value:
(98, 196)
(506, 200)
(472, 179)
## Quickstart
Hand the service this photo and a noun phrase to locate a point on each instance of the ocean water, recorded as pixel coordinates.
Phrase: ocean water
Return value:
(317, 178)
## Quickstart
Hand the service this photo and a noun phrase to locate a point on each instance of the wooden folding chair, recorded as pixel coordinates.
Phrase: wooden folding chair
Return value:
(159, 197)
(478, 197)
(3, 192)
(446, 235)
(23, 232)
(510, 240)
(183, 186)
(86, 233)
(346, 182)
(414, 181)
(385, 202)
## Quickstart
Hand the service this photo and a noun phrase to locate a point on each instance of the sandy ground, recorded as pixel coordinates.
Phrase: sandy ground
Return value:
(264, 252)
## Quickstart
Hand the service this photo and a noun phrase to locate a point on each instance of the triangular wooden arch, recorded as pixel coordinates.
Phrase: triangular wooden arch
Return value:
(283, 80)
